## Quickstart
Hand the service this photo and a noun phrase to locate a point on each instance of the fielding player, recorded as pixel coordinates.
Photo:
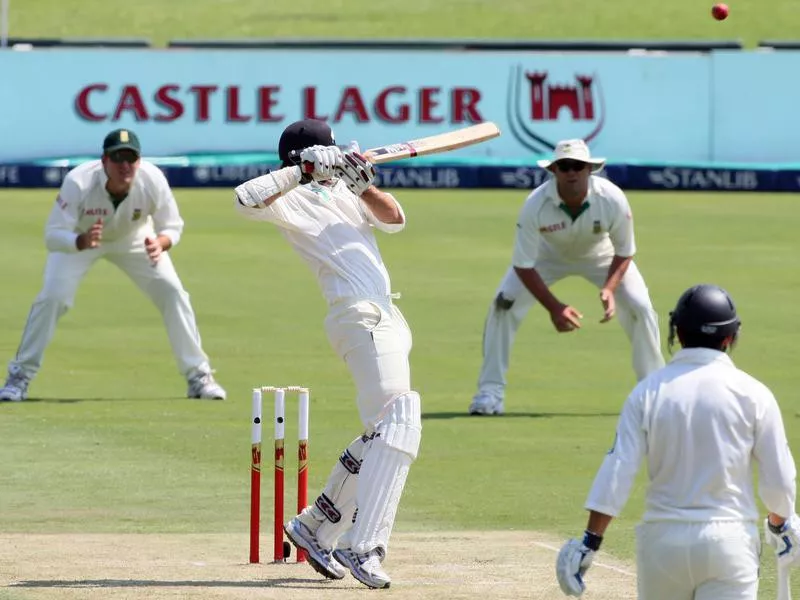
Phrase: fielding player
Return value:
(703, 426)
(330, 221)
(574, 224)
(119, 208)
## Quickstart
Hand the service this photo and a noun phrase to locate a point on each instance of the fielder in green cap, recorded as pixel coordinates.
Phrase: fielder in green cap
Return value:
(120, 208)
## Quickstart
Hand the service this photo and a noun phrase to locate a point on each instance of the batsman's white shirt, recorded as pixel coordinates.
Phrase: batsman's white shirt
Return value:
(546, 231)
(702, 424)
(332, 230)
(149, 208)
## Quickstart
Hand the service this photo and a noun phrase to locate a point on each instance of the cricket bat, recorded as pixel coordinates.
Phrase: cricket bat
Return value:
(434, 144)
(784, 592)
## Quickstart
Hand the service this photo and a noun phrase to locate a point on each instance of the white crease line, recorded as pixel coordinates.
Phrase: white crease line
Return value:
(594, 562)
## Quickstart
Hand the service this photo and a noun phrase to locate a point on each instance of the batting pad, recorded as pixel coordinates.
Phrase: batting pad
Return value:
(380, 485)
(338, 500)
(401, 427)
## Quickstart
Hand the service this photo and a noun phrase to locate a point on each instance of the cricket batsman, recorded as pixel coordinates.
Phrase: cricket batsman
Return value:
(329, 217)
(121, 209)
(703, 426)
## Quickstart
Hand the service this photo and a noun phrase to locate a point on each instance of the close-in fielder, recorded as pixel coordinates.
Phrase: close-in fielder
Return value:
(703, 426)
(580, 224)
(329, 219)
(119, 208)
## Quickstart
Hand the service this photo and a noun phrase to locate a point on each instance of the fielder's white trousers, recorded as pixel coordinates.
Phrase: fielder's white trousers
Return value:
(697, 561)
(374, 340)
(634, 311)
(63, 273)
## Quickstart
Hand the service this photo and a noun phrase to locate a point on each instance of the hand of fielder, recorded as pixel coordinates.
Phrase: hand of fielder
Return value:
(356, 172)
(153, 249)
(91, 238)
(324, 161)
(565, 318)
(786, 542)
(574, 559)
(609, 305)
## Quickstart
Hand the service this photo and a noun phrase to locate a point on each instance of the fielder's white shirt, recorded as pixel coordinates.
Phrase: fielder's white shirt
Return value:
(149, 209)
(546, 231)
(703, 425)
(332, 230)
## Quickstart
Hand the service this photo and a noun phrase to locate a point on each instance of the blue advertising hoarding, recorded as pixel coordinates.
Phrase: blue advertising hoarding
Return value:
(61, 102)
(755, 116)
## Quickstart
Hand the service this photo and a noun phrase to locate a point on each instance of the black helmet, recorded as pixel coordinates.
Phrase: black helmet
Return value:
(704, 316)
(300, 135)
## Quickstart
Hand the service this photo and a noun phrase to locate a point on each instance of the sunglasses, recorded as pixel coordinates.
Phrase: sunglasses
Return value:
(121, 156)
(565, 166)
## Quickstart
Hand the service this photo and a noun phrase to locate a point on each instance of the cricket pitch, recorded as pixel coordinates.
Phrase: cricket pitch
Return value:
(429, 566)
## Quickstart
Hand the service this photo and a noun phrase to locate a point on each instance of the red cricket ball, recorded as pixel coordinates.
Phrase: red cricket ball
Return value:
(720, 11)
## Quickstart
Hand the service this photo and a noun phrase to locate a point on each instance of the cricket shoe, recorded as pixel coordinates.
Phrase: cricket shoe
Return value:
(486, 404)
(365, 567)
(203, 386)
(321, 559)
(15, 389)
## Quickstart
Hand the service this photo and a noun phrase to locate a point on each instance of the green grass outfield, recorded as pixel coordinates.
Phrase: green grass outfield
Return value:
(160, 21)
(109, 443)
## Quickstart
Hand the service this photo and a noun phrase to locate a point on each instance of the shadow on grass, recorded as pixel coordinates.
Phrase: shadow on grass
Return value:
(147, 583)
(434, 416)
(75, 400)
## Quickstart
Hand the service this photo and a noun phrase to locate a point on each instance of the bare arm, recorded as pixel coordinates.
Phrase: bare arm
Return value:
(533, 281)
(565, 318)
(616, 271)
(165, 241)
(383, 206)
(598, 523)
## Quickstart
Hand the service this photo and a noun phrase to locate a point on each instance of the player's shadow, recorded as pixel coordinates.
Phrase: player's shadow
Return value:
(64, 400)
(436, 416)
(283, 582)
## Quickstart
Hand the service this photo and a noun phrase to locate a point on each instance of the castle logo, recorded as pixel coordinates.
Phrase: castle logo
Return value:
(541, 112)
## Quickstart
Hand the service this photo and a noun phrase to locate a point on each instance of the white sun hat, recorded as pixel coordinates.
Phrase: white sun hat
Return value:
(573, 150)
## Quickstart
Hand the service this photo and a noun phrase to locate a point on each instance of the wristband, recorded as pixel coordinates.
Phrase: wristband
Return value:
(776, 529)
(592, 541)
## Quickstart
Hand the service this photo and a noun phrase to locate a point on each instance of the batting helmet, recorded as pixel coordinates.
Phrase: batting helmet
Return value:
(704, 317)
(300, 135)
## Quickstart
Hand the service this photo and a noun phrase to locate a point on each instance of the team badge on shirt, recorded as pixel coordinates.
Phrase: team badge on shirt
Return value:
(137, 214)
(596, 227)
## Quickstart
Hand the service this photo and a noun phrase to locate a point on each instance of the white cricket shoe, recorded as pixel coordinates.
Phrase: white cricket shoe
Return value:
(486, 404)
(321, 559)
(365, 567)
(15, 389)
(203, 386)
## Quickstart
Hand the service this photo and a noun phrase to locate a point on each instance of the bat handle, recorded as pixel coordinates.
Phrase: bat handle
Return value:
(784, 591)
(307, 167)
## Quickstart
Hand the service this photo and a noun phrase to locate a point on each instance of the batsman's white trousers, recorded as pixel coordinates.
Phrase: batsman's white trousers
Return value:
(634, 311)
(374, 340)
(717, 560)
(63, 273)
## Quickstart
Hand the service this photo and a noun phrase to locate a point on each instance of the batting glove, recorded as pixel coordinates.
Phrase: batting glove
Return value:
(574, 559)
(356, 172)
(324, 161)
(785, 540)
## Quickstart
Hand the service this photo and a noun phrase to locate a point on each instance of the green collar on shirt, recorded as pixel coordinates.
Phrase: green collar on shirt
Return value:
(117, 199)
(574, 215)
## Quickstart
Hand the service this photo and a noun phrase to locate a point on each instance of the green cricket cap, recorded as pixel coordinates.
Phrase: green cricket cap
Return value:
(122, 139)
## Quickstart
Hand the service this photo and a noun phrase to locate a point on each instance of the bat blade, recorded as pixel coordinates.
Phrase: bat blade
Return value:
(443, 142)
(784, 591)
